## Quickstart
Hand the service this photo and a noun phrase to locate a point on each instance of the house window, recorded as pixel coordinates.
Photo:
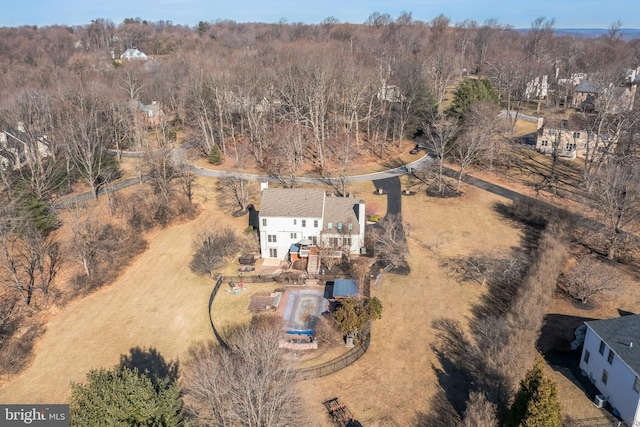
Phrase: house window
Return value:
(576, 134)
(347, 241)
(273, 253)
(545, 143)
(586, 356)
(636, 385)
(264, 222)
(552, 131)
(329, 225)
(272, 238)
(605, 376)
(304, 222)
(571, 147)
(601, 350)
(350, 226)
(610, 357)
(315, 223)
(339, 226)
(295, 221)
(294, 235)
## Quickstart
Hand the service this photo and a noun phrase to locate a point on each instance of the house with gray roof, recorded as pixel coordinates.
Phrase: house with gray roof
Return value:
(133, 53)
(617, 99)
(611, 360)
(308, 217)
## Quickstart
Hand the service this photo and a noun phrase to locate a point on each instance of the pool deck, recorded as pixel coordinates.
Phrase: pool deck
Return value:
(289, 291)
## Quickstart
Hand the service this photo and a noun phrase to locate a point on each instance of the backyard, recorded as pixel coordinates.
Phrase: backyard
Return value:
(157, 302)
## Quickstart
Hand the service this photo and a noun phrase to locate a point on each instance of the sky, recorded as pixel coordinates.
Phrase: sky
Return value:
(518, 13)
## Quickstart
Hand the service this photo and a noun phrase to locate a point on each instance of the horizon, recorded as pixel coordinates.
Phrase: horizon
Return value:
(568, 14)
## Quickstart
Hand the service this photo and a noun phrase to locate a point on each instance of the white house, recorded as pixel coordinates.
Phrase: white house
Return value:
(16, 151)
(611, 359)
(290, 217)
(133, 54)
(537, 88)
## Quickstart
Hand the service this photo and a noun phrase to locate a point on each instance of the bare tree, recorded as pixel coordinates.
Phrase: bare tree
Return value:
(250, 383)
(30, 260)
(236, 191)
(615, 194)
(186, 174)
(212, 247)
(88, 139)
(480, 412)
(588, 278)
(439, 140)
(390, 244)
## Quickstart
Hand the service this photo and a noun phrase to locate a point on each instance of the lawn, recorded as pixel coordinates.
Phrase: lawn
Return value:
(396, 377)
(157, 302)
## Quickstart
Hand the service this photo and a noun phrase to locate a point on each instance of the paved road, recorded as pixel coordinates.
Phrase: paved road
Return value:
(395, 172)
(176, 154)
(503, 113)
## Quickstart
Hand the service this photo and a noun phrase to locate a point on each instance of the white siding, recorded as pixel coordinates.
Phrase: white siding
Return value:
(619, 387)
(282, 228)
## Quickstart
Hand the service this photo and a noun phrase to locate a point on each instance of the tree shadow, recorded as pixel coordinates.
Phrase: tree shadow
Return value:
(152, 364)
(393, 164)
(441, 413)
(554, 343)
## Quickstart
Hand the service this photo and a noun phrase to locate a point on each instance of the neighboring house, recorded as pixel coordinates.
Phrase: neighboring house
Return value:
(574, 80)
(389, 93)
(133, 54)
(152, 113)
(306, 218)
(571, 136)
(537, 88)
(618, 99)
(611, 360)
(15, 150)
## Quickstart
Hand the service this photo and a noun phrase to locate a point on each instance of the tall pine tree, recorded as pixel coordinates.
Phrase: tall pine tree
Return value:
(536, 403)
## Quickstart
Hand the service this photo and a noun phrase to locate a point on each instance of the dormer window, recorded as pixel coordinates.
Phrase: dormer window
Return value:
(329, 225)
(339, 226)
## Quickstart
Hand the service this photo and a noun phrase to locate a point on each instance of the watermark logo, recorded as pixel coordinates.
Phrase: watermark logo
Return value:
(35, 415)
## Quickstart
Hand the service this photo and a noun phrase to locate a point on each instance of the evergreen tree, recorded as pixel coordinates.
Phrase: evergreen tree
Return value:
(354, 313)
(536, 403)
(215, 156)
(470, 91)
(124, 397)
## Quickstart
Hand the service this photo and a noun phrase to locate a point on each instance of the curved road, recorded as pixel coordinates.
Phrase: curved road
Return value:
(395, 172)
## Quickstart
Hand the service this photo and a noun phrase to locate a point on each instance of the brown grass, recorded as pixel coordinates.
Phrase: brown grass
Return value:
(396, 377)
(157, 303)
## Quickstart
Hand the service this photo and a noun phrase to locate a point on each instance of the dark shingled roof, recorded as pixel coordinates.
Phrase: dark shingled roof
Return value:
(617, 334)
(586, 86)
(298, 202)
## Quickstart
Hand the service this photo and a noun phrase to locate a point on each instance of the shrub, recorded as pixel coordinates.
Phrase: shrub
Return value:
(215, 156)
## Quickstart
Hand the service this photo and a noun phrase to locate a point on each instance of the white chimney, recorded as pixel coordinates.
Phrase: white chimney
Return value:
(263, 185)
(361, 221)
(631, 344)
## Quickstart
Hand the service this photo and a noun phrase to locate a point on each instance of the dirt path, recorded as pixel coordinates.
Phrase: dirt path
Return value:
(157, 303)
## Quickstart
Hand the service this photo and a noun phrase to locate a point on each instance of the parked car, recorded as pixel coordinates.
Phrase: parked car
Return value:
(417, 149)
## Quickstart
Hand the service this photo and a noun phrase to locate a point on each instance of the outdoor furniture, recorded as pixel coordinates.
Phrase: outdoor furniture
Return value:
(247, 259)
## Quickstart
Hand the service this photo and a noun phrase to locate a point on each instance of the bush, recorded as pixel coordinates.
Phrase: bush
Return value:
(375, 218)
(215, 156)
